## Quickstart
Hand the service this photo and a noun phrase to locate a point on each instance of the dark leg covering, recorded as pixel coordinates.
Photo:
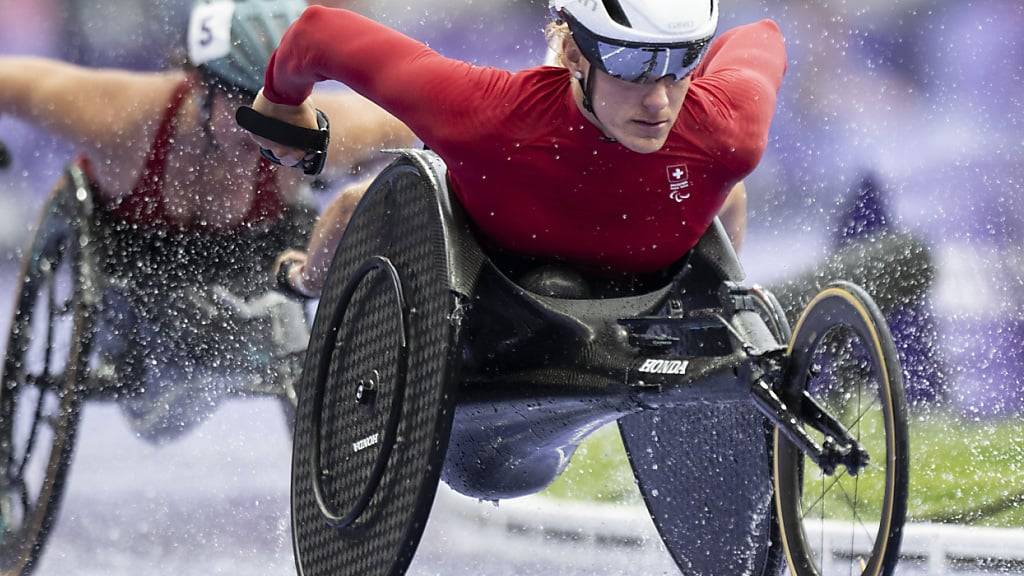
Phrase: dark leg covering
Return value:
(705, 473)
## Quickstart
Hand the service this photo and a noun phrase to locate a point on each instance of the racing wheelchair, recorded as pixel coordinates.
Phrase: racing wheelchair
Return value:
(104, 312)
(436, 357)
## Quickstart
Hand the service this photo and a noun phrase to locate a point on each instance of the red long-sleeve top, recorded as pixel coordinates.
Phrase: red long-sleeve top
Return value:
(530, 170)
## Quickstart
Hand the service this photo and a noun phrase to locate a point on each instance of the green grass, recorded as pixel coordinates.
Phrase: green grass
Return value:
(959, 468)
(598, 471)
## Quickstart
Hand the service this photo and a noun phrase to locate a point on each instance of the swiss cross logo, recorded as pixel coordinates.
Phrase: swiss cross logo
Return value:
(678, 180)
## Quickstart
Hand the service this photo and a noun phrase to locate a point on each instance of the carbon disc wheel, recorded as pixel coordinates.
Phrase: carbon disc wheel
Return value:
(48, 343)
(377, 393)
(842, 354)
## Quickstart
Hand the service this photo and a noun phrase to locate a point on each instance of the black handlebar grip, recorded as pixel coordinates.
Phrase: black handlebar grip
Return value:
(5, 156)
(313, 142)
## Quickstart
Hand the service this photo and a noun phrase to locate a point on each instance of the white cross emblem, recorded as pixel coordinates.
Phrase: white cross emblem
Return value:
(678, 180)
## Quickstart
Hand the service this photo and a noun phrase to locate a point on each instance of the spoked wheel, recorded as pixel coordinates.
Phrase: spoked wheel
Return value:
(49, 338)
(842, 355)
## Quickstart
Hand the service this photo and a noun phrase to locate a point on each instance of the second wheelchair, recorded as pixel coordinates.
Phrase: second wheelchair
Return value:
(163, 324)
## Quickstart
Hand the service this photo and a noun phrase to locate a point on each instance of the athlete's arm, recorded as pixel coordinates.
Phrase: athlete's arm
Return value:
(310, 269)
(359, 130)
(733, 215)
(440, 99)
(739, 79)
(94, 109)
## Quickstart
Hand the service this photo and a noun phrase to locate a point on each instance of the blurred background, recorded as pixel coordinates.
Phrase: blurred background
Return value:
(914, 103)
(918, 100)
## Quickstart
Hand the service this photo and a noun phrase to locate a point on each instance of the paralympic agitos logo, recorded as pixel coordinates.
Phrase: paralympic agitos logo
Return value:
(652, 366)
(678, 181)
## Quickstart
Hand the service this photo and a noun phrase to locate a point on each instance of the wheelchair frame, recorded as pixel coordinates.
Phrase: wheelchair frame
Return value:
(524, 377)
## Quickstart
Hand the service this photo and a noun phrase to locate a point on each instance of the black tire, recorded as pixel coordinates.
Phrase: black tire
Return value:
(862, 386)
(46, 358)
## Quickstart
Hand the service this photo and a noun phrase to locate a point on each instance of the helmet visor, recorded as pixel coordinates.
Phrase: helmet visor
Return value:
(635, 62)
(648, 64)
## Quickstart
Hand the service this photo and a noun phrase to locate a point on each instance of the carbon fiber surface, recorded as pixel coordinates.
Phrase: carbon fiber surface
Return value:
(400, 220)
(365, 376)
(704, 471)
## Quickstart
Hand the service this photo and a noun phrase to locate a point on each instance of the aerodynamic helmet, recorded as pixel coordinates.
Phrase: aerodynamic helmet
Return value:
(232, 40)
(641, 40)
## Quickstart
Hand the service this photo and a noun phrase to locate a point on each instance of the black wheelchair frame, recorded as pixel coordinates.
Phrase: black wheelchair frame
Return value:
(51, 365)
(428, 362)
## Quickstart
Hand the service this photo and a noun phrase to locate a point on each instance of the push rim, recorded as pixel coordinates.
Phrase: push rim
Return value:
(331, 514)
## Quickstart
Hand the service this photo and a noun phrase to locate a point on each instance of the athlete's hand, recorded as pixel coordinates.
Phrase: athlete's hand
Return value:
(289, 272)
(303, 115)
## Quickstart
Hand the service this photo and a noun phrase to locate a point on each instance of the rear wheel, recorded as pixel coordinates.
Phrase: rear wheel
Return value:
(378, 389)
(47, 348)
(842, 354)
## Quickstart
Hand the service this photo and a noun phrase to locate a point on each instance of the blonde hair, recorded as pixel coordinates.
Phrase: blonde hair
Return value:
(556, 33)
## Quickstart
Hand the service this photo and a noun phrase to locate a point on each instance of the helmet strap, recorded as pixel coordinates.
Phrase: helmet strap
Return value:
(587, 85)
(206, 116)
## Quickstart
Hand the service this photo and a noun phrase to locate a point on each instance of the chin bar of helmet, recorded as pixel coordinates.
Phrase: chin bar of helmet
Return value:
(312, 142)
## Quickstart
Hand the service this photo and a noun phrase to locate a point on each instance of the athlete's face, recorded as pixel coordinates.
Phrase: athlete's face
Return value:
(639, 116)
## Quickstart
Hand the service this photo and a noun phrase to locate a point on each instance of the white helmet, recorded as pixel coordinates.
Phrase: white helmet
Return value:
(641, 40)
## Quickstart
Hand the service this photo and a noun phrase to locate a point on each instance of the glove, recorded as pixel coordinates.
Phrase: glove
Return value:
(289, 279)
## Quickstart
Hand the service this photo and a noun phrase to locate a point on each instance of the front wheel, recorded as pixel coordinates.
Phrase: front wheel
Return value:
(842, 354)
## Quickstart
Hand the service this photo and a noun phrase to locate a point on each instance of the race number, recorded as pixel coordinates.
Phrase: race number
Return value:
(209, 32)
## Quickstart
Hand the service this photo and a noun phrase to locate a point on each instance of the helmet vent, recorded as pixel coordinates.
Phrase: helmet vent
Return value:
(616, 12)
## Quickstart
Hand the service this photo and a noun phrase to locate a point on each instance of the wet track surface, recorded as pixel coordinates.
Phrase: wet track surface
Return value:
(216, 502)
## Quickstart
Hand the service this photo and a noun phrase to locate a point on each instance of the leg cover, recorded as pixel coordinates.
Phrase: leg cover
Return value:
(705, 474)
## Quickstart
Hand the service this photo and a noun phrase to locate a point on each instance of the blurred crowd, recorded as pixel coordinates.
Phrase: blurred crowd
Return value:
(923, 96)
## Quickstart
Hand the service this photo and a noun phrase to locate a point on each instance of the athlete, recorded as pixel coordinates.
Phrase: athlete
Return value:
(616, 162)
(169, 166)
(162, 147)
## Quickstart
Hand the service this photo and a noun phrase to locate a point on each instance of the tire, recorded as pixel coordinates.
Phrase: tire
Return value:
(842, 353)
(45, 360)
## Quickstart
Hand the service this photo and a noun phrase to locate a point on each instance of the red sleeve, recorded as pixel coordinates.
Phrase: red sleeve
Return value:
(737, 83)
(439, 98)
